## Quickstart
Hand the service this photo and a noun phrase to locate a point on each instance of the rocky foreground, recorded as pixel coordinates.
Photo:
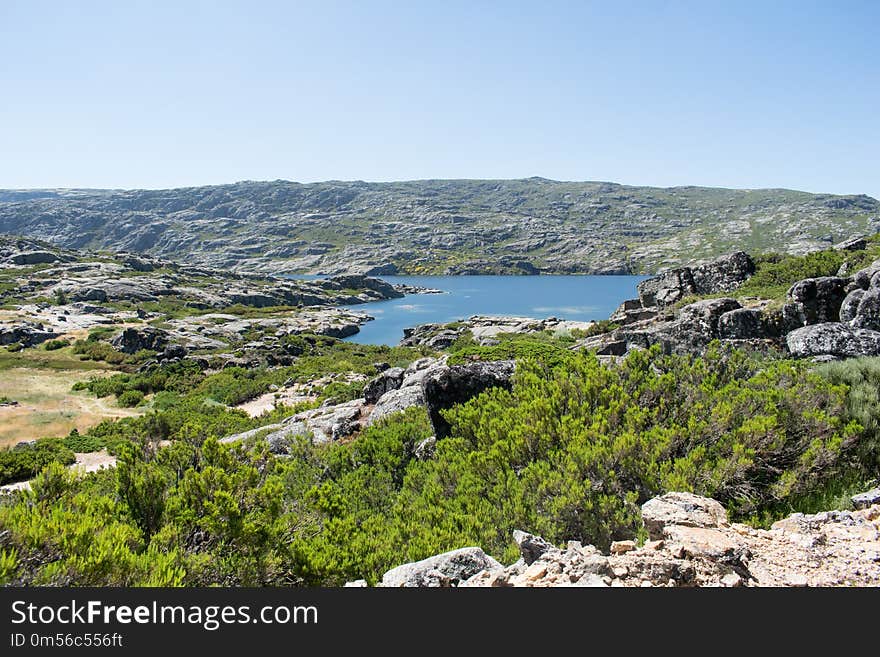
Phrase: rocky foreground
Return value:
(691, 544)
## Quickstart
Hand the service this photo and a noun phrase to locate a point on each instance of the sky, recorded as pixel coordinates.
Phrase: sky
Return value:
(167, 94)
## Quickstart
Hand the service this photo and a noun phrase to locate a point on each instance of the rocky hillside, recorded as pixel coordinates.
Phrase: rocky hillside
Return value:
(48, 293)
(437, 226)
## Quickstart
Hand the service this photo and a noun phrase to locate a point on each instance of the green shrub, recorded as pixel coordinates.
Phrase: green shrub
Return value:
(130, 398)
(14, 347)
(52, 345)
(24, 461)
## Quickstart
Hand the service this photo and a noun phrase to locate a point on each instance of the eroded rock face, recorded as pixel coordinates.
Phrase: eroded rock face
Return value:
(447, 569)
(449, 386)
(833, 339)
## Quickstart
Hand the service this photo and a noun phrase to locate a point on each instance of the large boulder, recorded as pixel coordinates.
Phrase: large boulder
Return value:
(666, 288)
(833, 339)
(34, 258)
(742, 324)
(442, 570)
(132, 340)
(396, 401)
(387, 381)
(681, 509)
(850, 306)
(723, 274)
(703, 316)
(358, 282)
(867, 309)
(448, 386)
(819, 299)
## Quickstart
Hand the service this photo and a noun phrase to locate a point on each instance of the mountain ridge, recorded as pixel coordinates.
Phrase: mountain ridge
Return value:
(459, 226)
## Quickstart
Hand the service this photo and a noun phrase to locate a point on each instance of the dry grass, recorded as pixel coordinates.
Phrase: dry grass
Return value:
(46, 404)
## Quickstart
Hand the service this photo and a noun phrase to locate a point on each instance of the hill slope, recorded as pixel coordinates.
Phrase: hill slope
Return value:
(437, 226)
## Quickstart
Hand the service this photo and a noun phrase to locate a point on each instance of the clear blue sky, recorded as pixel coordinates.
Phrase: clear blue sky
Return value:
(161, 94)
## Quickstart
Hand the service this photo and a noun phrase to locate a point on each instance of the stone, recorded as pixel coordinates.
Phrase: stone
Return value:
(867, 311)
(685, 509)
(531, 547)
(852, 244)
(388, 380)
(820, 299)
(447, 569)
(866, 499)
(356, 584)
(396, 401)
(723, 274)
(425, 449)
(731, 580)
(834, 339)
(742, 324)
(849, 307)
(449, 386)
(132, 340)
(619, 547)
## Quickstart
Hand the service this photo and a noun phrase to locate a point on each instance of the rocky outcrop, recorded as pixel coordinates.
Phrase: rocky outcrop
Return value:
(442, 570)
(692, 543)
(833, 339)
(449, 386)
(132, 340)
(27, 334)
(723, 274)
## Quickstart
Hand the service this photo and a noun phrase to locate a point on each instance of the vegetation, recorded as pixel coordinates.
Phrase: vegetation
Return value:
(25, 460)
(570, 452)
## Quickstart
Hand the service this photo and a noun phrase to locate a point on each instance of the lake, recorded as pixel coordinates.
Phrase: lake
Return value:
(581, 298)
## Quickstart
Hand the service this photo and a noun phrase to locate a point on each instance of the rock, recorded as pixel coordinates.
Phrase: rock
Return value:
(33, 258)
(449, 386)
(667, 288)
(619, 547)
(850, 305)
(396, 401)
(28, 334)
(833, 339)
(723, 274)
(425, 449)
(356, 281)
(742, 324)
(356, 584)
(388, 380)
(447, 569)
(867, 312)
(684, 509)
(864, 500)
(132, 340)
(852, 244)
(531, 547)
(704, 316)
(819, 298)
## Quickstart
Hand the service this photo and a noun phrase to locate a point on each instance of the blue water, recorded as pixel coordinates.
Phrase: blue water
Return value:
(581, 298)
